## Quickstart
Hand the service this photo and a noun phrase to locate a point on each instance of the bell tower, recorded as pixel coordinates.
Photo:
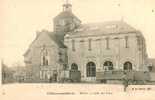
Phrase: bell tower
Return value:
(65, 21)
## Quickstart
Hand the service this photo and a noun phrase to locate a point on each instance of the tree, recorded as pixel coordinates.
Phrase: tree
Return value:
(7, 74)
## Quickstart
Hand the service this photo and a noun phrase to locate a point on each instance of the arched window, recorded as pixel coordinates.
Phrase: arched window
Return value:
(150, 68)
(91, 69)
(74, 66)
(108, 65)
(127, 65)
(44, 57)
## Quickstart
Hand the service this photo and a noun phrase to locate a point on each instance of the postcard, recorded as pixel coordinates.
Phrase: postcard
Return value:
(74, 49)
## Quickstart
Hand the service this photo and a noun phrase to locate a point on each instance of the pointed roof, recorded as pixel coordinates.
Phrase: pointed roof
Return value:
(53, 36)
(66, 12)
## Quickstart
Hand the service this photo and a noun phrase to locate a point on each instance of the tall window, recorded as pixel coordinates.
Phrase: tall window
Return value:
(127, 65)
(108, 65)
(139, 42)
(89, 44)
(126, 42)
(74, 66)
(150, 68)
(107, 43)
(44, 57)
(91, 69)
(73, 45)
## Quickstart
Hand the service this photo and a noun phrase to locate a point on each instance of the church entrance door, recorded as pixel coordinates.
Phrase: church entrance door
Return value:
(91, 71)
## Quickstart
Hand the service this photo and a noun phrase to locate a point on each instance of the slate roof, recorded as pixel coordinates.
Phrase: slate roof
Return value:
(108, 27)
(58, 39)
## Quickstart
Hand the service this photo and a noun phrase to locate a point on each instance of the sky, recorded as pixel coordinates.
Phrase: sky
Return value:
(20, 19)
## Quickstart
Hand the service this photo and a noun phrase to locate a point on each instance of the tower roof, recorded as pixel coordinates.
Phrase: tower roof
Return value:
(66, 14)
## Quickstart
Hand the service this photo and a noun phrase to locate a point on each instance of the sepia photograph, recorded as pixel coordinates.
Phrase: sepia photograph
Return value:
(78, 42)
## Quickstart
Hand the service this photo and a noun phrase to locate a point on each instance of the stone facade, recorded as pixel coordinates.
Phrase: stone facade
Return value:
(90, 48)
(98, 47)
(45, 57)
(49, 46)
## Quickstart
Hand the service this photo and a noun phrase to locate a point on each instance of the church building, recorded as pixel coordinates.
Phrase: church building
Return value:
(100, 51)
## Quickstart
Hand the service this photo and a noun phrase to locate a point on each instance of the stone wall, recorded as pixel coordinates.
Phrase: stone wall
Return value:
(117, 53)
(34, 60)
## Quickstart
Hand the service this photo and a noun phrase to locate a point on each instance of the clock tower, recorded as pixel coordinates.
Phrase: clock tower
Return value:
(65, 21)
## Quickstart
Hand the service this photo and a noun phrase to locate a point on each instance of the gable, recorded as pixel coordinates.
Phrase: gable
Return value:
(43, 39)
(46, 38)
